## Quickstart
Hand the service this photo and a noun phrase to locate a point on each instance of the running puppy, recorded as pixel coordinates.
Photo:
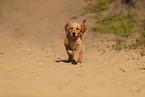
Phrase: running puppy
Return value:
(74, 41)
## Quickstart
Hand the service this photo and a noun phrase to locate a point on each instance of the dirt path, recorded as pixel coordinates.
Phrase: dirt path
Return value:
(31, 40)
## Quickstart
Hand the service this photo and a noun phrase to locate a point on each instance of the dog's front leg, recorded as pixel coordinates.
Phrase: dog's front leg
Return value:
(76, 56)
(70, 54)
(80, 57)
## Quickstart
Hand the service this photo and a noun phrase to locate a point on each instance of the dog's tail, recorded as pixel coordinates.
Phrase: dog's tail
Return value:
(84, 21)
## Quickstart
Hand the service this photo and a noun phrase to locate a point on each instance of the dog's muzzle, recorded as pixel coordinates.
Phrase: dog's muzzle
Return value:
(74, 34)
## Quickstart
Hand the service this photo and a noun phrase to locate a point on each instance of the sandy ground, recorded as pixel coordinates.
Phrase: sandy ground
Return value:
(31, 44)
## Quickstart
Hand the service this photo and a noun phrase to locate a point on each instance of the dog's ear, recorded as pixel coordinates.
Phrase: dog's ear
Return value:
(84, 21)
(66, 27)
(84, 27)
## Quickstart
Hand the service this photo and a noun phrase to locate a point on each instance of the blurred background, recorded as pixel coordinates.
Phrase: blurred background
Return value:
(31, 40)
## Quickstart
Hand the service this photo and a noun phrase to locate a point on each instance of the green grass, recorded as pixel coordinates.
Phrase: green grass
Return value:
(123, 22)
(98, 6)
(118, 23)
(74, 17)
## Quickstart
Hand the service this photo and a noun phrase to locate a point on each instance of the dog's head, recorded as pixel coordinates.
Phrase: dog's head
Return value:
(75, 29)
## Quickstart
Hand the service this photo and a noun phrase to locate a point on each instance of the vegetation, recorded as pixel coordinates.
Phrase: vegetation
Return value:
(101, 5)
(118, 23)
(98, 6)
(122, 22)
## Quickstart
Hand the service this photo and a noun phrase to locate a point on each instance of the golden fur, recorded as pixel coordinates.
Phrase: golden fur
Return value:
(74, 41)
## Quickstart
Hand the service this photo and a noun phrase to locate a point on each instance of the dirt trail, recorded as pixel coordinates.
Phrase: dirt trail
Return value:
(31, 40)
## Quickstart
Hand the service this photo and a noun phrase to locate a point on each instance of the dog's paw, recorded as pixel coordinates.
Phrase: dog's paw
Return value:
(74, 62)
(70, 59)
(80, 61)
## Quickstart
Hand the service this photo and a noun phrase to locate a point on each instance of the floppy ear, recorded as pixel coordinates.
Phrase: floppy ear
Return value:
(66, 27)
(84, 27)
(84, 21)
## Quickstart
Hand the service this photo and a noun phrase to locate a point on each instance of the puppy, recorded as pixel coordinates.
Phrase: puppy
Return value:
(74, 41)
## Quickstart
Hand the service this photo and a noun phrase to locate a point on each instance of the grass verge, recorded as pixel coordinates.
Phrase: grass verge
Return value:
(122, 23)
(118, 23)
(97, 5)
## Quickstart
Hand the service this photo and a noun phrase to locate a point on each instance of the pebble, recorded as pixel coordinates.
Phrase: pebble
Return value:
(28, 49)
(28, 52)
(16, 66)
(135, 89)
(40, 63)
(94, 45)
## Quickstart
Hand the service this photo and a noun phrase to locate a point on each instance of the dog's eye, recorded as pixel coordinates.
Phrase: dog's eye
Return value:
(77, 28)
(71, 28)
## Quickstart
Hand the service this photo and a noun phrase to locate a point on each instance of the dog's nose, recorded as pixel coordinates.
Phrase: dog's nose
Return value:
(73, 33)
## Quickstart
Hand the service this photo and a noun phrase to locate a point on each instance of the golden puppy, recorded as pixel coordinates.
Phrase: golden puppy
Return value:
(74, 41)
